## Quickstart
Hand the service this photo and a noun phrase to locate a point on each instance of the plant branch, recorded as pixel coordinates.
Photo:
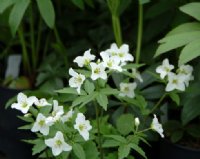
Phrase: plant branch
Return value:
(158, 103)
(140, 30)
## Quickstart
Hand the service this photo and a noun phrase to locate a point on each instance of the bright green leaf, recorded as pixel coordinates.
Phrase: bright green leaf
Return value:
(27, 119)
(71, 91)
(109, 91)
(192, 9)
(175, 97)
(17, 14)
(78, 151)
(117, 138)
(123, 151)
(25, 127)
(91, 151)
(38, 147)
(102, 100)
(110, 143)
(189, 52)
(89, 87)
(47, 12)
(4, 4)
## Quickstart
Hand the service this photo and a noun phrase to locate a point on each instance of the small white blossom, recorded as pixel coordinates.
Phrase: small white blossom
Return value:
(164, 69)
(155, 125)
(23, 102)
(76, 80)
(67, 116)
(85, 59)
(137, 122)
(185, 71)
(98, 71)
(127, 89)
(41, 102)
(111, 62)
(58, 144)
(83, 126)
(175, 82)
(137, 74)
(40, 125)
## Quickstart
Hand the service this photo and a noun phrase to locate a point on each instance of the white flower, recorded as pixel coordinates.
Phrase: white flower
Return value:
(41, 102)
(41, 125)
(111, 62)
(127, 89)
(98, 71)
(155, 125)
(164, 69)
(137, 74)
(76, 80)
(67, 116)
(137, 122)
(83, 126)
(85, 59)
(185, 71)
(23, 103)
(122, 52)
(175, 82)
(58, 144)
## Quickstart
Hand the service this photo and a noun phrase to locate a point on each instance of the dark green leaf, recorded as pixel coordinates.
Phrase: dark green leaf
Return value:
(110, 143)
(176, 136)
(138, 149)
(79, 3)
(4, 4)
(38, 147)
(47, 12)
(144, 1)
(78, 151)
(27, 119)
(17, 14)
(109, 91)
(117, 138)
(175, 97)
(71, 91)
(153, 92)
(102, 100)
(193, 130)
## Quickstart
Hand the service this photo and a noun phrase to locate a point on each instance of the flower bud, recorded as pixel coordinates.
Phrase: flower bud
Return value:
(137, 122)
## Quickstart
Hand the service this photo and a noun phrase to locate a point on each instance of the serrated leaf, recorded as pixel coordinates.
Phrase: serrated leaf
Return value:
(17, 14)
(123, 151)
(47, 12)
(125, 124)
(176, 136)
(70, 91)
(38, 147)
(110, 143)
(191, 109)
(138, 149)
(79, 3)
(192, 9)
(175, 41)
(89, 87)
(117, 138)
(78, 151)
(102, 100)
(175, 97)
(5, 4)
(189, 52)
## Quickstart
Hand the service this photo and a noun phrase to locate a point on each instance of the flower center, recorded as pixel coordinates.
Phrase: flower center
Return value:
(167, 69)
(126, 89)
(81, 127)
(109, 63)
(58, 143)
(97, 71)
(175, 81)
(86, 62)
(41, 122)
(78, 79)
(24, 105)
(121, 54)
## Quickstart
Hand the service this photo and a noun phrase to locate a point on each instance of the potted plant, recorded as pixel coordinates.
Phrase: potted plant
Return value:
(183, 125)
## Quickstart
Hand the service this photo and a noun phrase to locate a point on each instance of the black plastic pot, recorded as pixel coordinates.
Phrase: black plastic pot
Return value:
(169, 150)
(10, 137)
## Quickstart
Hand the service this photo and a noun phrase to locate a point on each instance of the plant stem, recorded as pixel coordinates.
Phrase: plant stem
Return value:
(33, 52)
(117, 29)
(158, 103)
(139, 36)
(143, 131)
(25, 59)
(38, 38)
(98, 129)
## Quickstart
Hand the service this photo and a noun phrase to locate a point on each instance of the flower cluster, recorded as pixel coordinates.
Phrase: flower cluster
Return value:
(47, 118)
(175, 81)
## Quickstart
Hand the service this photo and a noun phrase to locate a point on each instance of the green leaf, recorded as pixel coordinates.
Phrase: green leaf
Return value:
(79, 3)
(109, 91)
(27, 119)
(130, 66)
(25, 127)
(70, 91)
(78, 151)
(117, 138)
(125, 124)
(193, 130)
(191, 109)
(123, 151)
(175, 41)
(38, 147)
(102, 100)
(175, 97)
(17, 14)
(143, 1)
(91, 150)
(153, 92)
(110, 143)
(89, 87)
(138, 149)
(172, 126)
(176, 136)
(4, 4)
(192, 9)
(47, 12)
(189, 52)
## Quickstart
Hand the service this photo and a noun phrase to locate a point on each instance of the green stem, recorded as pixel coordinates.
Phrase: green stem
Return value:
(138, 132)
(98, 129)
(33, 51)
(158, 103)
(117, 29)
(140, 29)
(25, 59)
(38, 38)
